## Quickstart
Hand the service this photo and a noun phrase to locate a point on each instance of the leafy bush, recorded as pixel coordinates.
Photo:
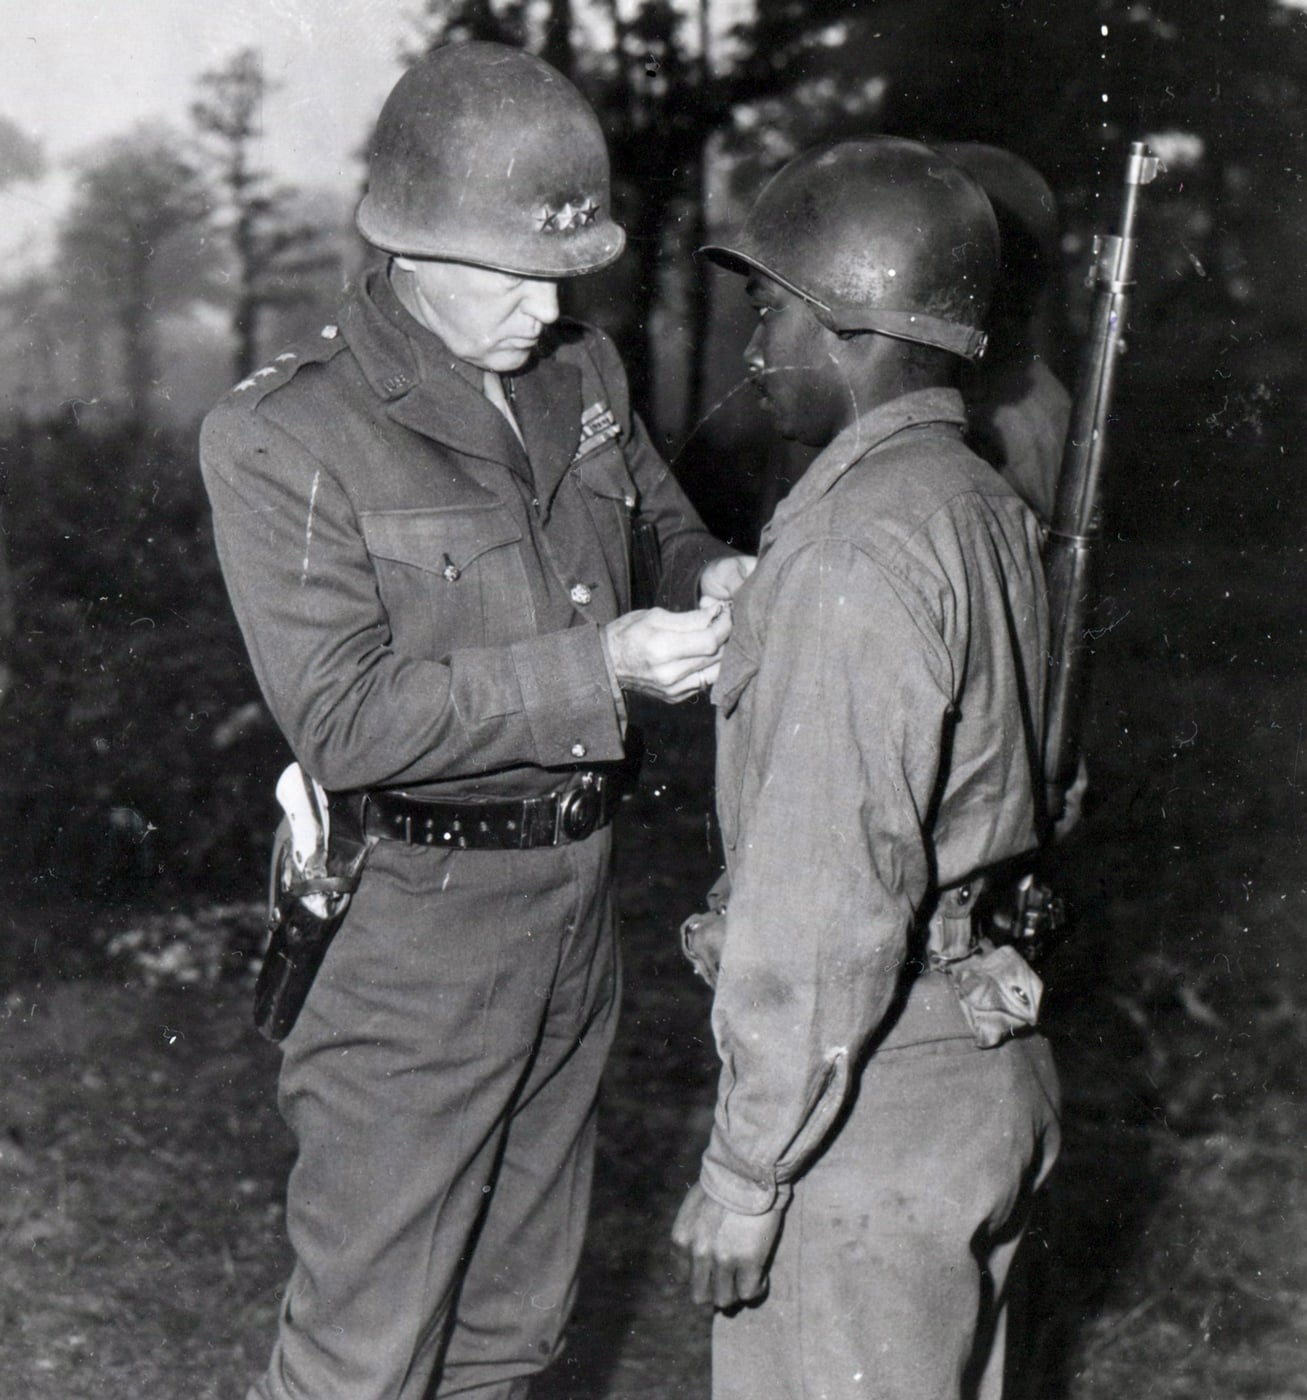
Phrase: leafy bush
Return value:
(136, 758)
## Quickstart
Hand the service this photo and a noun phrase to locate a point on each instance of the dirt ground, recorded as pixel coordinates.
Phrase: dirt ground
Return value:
(142, 1162)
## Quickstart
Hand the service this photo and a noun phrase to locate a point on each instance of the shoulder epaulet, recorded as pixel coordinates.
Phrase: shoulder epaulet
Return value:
(282, 368)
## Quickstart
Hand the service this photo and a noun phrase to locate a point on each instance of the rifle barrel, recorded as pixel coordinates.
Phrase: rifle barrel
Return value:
(1077, 512)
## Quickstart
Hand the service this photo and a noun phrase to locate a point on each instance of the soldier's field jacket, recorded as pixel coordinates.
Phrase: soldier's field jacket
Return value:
(421, 598)
(880, 706)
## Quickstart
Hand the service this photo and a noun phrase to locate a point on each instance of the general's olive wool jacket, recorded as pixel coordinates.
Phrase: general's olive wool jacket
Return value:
(420, 596)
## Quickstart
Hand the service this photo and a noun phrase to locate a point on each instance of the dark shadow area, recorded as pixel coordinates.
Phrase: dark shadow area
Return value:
(658, 1093)
(135, 752)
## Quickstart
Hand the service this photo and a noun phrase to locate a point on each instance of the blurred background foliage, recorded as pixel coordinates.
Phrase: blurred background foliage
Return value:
(136, 759)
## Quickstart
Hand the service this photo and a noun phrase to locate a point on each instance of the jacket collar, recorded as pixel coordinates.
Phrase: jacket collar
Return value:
(431, 391)
(547, 401)
(861, 438)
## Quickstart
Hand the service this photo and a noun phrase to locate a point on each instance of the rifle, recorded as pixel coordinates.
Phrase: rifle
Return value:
(1029, 909)
(1077, 512)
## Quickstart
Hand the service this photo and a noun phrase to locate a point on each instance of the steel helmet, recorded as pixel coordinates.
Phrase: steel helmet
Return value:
(1027, 221)
(485, 154)
(881, 235)
(1019, 193)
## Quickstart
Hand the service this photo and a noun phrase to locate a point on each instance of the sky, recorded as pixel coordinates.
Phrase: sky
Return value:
(74, 73)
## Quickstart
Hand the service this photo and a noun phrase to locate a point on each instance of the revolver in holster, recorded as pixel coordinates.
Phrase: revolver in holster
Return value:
(308, 896)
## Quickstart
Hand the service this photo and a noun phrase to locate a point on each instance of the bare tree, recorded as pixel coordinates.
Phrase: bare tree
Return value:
(21, 158)
(135, 196)
(272, 249)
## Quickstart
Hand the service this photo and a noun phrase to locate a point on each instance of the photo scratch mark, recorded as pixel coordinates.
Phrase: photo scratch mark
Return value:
(308, 529)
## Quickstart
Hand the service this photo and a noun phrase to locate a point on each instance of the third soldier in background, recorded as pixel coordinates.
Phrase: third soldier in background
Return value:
(886, 1107)
(1018, 410)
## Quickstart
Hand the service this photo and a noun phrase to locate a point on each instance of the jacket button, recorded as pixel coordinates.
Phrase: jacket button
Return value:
(581, 595)
(578, 750)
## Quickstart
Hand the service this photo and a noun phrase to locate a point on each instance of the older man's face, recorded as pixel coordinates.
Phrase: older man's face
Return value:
(490, 319)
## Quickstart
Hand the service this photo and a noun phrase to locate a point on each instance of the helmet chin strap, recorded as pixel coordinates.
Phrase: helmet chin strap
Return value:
(966, 341)
(916, 326)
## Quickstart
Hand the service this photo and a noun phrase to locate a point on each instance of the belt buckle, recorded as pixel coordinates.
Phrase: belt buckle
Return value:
(578, 810)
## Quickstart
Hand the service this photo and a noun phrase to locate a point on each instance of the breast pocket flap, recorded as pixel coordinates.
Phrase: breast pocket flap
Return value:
(437, 539)
(606, 474)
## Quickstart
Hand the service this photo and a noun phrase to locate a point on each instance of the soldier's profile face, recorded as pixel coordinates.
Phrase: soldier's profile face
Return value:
(490, 319)
(790, 365)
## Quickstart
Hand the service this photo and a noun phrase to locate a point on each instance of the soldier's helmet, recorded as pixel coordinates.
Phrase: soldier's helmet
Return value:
(880, 234)
(485, 154)
(1028, 223)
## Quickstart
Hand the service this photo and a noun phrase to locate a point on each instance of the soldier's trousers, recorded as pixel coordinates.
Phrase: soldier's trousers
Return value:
(441, 1086)
(891, 1277)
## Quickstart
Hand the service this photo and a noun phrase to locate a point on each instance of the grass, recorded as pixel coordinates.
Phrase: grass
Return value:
(142, 1162)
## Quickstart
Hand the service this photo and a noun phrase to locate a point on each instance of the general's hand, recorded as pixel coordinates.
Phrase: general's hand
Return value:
(669, 655)
(724, 1255)
(722, 578)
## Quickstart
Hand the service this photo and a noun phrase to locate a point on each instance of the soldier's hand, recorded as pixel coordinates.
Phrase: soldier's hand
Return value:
(1072, 804)
(669, 655)
(702, 936)
(722, 578)
(724, 1255)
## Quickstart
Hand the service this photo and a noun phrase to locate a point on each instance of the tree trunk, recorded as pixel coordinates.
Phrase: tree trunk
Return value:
(557, 46)
(696, 299)
(138, 358)
(643, 235)
(245, 313)
(245, 324)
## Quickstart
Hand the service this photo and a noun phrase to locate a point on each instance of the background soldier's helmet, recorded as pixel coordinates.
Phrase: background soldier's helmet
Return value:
(877, 235)
(1028, 225)
(485, 154)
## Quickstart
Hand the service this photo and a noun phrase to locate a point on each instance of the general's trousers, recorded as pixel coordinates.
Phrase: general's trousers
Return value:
(891, 1276)
(441, 1086)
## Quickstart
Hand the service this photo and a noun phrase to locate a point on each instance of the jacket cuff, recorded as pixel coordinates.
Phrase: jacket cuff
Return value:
(567, 698)
(747, 1192)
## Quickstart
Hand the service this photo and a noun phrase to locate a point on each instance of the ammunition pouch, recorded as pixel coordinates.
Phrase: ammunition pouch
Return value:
(998, 991)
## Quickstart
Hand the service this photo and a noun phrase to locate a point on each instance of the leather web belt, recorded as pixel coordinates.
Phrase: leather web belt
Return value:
(571, 813)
